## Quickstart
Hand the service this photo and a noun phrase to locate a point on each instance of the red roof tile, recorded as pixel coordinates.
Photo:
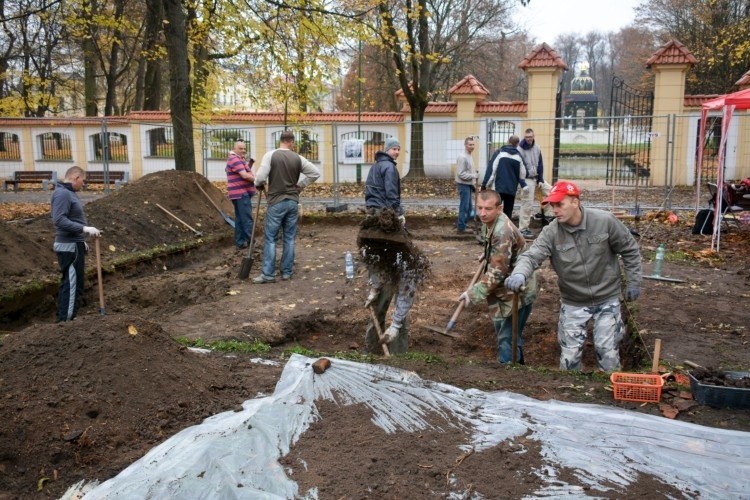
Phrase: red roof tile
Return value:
(695, 101)
(511, 107)
(62, 121)
(745, 80)
(271, 116)
(672, 52)
(543, 56)
(469, 85)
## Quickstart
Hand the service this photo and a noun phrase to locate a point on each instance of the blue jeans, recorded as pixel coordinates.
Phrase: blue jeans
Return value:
(280, 216)
(504, 330)
(464, 205)
(243, 224)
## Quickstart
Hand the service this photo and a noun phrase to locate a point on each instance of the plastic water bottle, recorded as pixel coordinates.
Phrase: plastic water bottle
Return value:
(349, 265)
(659, 260)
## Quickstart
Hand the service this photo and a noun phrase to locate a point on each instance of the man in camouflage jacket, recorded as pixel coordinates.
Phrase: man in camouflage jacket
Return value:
(503, 243)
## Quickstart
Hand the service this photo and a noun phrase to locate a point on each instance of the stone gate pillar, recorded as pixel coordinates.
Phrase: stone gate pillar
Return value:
(543, 68)
(669, 63)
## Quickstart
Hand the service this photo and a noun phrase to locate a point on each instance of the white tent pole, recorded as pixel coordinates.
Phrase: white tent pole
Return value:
(726, 120)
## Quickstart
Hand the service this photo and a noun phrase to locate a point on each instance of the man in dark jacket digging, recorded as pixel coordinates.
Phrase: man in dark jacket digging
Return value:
(394, 264)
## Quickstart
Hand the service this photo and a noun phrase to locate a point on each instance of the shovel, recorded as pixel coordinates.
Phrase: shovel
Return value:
(197, 233)
(452, 322)
(247, 261)
(379, 331)
(229, 220)
(99, 275)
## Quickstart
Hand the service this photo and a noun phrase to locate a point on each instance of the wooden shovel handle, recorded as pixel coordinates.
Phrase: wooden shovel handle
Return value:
(99, 274)
(376, 324)
(461, 303)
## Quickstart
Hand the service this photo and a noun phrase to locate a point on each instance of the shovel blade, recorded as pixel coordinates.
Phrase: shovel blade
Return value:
(443, 331)
(247, 265)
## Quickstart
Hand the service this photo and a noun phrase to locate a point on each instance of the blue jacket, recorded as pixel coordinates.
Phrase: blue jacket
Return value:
(67, 214)
(510, 171)
(383, 185)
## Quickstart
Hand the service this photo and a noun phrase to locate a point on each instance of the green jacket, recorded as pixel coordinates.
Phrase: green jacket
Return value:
(502, 246)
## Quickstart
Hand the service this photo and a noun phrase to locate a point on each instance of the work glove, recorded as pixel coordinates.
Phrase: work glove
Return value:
(525, 189)
(465, 298)
(91, 231)
(402, 220)
(371, 297)
(391, 333)
(515, 282)
(632, 293)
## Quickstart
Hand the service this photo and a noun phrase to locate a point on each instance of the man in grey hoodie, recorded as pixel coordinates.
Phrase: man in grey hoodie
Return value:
(532, 158)
(71, 229)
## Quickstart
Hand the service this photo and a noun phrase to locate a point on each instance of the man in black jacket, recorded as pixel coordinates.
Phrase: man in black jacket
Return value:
(507, 170)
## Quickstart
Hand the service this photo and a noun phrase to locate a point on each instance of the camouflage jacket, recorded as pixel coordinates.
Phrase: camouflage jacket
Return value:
(501, 249)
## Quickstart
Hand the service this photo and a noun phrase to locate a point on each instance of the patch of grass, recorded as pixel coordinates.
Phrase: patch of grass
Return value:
(240, 346)
(302, 351)
(421, 356)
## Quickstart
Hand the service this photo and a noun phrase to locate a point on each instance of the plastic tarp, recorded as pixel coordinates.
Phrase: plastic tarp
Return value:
(235, 454)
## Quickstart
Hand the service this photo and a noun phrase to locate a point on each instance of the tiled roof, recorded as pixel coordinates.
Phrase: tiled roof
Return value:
(434, 107)
(672, 52)
(469, 85)
(695, 101)
(263, 116)
(745, 80)
(512, 107)
(62, 121)
(543, 56)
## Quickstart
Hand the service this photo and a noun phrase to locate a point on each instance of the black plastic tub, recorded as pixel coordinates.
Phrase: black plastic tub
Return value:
(720, 396)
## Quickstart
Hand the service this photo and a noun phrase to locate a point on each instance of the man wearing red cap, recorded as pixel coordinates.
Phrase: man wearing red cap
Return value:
(583, 246)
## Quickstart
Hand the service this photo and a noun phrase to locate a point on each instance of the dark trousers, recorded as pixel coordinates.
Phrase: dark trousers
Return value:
(71, 285)
(508, 201)
(243, 224)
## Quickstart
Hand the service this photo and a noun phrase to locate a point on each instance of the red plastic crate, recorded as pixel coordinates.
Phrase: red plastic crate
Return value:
(643, 387)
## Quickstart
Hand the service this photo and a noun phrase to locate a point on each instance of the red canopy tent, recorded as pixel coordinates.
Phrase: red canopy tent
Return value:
(727, 104)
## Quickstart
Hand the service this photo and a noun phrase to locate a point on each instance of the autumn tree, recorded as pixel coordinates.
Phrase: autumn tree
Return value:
(424, 36)
(717, 32)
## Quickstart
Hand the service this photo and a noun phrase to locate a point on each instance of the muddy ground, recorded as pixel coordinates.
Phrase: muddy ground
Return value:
(83, 400)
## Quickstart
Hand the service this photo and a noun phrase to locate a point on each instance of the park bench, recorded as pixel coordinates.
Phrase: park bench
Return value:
(26, 176)
(637, 168)
(116, 177)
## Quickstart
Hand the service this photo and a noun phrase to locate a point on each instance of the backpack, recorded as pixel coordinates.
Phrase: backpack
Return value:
(704, 222)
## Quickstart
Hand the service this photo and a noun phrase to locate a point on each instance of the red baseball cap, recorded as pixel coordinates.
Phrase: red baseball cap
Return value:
(560, 190)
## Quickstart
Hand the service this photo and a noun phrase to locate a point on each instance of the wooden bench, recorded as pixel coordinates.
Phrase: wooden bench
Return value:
(116, 177)
(26, 176)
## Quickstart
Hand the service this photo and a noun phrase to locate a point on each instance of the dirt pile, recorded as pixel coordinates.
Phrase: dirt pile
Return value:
(86, 398)
(129, 220)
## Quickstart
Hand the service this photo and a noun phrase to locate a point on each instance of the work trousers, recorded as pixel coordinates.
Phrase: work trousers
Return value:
(608, 332)
(527, 203)
(71, 258)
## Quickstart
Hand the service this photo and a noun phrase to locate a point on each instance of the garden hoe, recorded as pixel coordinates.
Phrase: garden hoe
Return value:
(228, 219)
(195, 231)
(452, 322)
(247, 261)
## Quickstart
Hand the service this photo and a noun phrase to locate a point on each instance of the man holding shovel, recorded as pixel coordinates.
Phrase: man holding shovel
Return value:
(503, 243)
(583, 246)
(71, 229)
(240, 189)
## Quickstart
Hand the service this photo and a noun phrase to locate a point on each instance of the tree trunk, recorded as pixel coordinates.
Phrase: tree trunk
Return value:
(179, 85)
(148, 86)
(416, 157)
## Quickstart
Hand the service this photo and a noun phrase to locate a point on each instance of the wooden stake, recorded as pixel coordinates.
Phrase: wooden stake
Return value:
(657, 354)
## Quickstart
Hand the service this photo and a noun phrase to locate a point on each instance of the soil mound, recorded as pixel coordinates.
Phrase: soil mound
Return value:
(129, 220)
(86, 398)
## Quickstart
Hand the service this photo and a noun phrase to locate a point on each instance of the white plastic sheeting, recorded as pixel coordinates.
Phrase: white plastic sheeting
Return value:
(235, 454)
